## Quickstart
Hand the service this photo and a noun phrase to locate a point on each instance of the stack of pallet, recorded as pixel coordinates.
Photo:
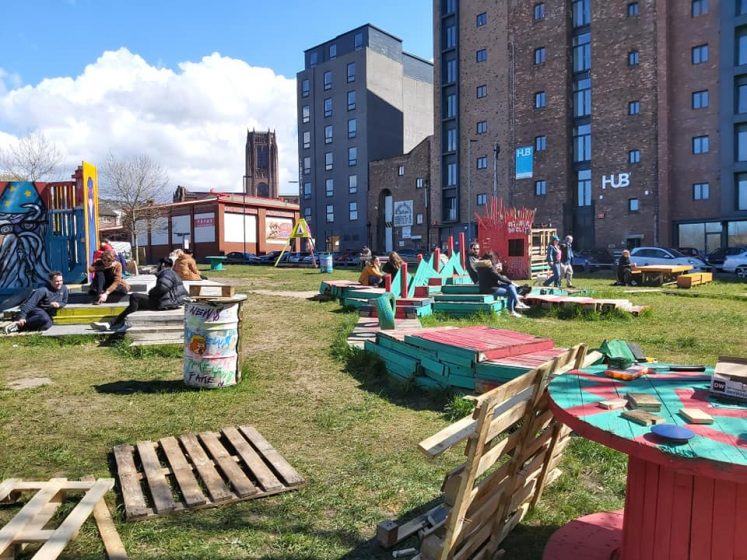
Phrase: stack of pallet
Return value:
(602, 305)
(472, 358)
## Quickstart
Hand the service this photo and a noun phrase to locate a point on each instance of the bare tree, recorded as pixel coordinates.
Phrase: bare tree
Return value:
(135, 184)
(32, 158)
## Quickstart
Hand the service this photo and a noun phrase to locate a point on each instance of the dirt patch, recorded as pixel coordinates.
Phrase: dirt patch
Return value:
(29, 383)
(297, 294)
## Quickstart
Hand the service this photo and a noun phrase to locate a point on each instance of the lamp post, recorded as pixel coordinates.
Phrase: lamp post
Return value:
(469, 189)
(243, 212)
(427, 189)
(496, 151)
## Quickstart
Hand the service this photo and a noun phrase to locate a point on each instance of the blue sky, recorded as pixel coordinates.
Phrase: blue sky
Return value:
(179, 80)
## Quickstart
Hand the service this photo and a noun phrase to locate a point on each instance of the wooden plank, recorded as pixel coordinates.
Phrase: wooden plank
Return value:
(129, 482)
(275, 459)
(9, 534)
(239, 481)
(679, 541)
(701, 524)
(663, 519)
(217, 489)
(182, 470)
(724, 513)
(113, 546)
(160, 490)
(651, 493)
(253, 461)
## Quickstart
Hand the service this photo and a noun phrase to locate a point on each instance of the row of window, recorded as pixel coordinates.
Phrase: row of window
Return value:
(581, 11)
(329, 133)
(329, 160)
(327, 79)
(330, 185)
(332, 50)
(353, 213)
(351, 105)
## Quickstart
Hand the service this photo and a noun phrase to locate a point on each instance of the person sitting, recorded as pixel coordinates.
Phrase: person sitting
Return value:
(104, 246)
(365, 256)
(37, 311)
(492, 281)
(107, 279)
(168, 293)
(393, 265)
(372, 274)
(624, 270)
(185, 266)
(472, 258)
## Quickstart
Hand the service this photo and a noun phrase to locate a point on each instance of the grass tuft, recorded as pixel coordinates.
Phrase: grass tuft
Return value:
(458, 407)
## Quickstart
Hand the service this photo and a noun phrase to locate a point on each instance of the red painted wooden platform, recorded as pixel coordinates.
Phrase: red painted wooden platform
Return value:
(592, 537)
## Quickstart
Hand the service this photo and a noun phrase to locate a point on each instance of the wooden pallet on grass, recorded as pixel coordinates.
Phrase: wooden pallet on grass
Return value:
(31, 524)
(200, 471)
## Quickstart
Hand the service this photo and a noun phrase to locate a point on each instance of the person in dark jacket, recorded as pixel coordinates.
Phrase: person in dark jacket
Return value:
(624, 270)
(37, 311)
(472, 258)
(553, 261)
(393, 265)
(168, 293)
(492, 281)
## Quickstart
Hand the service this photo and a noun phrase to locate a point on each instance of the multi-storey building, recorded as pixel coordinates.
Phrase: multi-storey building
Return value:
(360, 99)
(622, 122)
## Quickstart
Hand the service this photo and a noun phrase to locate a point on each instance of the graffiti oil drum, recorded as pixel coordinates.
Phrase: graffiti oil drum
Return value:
(211, 342)
(325, 262)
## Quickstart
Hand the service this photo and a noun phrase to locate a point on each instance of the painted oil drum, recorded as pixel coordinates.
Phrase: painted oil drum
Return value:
(211, 339)
(325, 262)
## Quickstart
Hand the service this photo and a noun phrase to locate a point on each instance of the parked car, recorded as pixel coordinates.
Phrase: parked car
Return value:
(737, 263)
(693, 252)
(237, 257)
(269, 258)
(347, 258)
(716, 258)
(592, 260)
(643, 256)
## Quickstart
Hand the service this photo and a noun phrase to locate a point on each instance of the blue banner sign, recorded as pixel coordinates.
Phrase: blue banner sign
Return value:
(524, 158)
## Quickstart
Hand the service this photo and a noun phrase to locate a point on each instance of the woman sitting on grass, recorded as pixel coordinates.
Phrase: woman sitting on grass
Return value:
(492, 281)
(393, 265)
(372, 274)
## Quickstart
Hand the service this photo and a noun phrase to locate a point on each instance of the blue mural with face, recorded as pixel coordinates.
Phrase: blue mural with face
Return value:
(23, 236)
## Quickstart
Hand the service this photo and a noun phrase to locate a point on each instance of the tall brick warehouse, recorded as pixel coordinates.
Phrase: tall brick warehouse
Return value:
(633, 116)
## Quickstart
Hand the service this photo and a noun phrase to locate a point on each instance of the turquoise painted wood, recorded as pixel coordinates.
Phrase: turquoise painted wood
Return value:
(459, 298)
(460, 289)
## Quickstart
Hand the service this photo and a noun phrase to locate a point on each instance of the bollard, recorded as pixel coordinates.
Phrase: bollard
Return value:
(451, 245)
(403, 280)
(437, 259)
(388, 282)
(462, 250)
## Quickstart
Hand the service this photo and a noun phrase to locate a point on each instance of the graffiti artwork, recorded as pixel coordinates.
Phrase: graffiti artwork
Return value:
(23, 235)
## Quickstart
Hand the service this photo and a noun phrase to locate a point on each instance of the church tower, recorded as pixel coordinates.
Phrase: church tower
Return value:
(261, 178)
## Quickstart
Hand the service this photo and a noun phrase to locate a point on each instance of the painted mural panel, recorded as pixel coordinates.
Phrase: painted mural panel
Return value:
(236, 230)
(24, 229)
(278, 230)
(205, 227)
(91, 212)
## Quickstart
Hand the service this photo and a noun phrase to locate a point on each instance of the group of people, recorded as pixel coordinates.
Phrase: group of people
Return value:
(559, 257)
(487, 272)
(373, 272)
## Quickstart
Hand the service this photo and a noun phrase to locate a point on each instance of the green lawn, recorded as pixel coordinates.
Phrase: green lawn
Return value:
(331, 412)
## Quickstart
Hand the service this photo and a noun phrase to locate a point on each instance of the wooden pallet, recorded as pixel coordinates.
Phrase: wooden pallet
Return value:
(30, 525)
(200, 471)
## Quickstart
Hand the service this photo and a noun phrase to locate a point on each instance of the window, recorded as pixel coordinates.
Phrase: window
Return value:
(352, 184)
(328, 134)
(332, 52)
(449, 6)
(327, 80)
(582, 52)
(741, 7)
(451, 139)
(482, 127)
(482, 91)
(538, 13)
(633, 9)
(401, 170)
(701, 191)
(540, 100)
(634, 156)
(330, 213)
(700, 144)
(329, 187)
(351, 72)
(740, 142)
(306, 165)
(328, 107)
(581, 10)
(358, 41)
(450, 33)
(539, 55)
(419, 182)
(741, 191)
(328, 161)
(481, 55)
(700, 99)
(451, 71)
(482, 199)
(451, 175)
(634, 107)
(451, 103)
(582, 97)
(450, 209)
(633, 205)
(699, 54)
(353, 211)
(633, 58)
(482, 19)
(540, 188)
(307, 190)
(352, 128)
(582, 143)
(699, 7)
(313, 58)
(305, 88)
(583, 187)
(540, 143)
(741, 46)
(305, 114)
(482, 162)
(307, 139)
(419, 219)
(351, 100)
(307, 214)
(740, 97)
(352, 156)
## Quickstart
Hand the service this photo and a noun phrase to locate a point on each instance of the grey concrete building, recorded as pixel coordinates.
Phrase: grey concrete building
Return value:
(360, 98)
(633, 115)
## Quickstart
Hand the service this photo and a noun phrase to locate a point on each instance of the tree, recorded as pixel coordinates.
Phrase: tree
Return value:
(134, 184)
(32, 158)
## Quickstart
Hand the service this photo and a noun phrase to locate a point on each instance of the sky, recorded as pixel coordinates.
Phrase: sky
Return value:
(178, 80)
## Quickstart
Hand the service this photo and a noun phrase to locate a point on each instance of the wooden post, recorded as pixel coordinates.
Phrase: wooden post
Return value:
(419, 256)
(403, 280)
(437, 259)
(451, 245)
(388, 282)
(462, 250)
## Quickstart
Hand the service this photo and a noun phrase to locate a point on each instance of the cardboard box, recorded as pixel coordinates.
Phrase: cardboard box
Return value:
(730, 378)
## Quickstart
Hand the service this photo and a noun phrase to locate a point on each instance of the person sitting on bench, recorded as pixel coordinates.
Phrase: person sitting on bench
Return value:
(168, 293)
(624, 270)
(493, 281)
(37, 311)
(107, 279)
(185, 266)
(372, 274)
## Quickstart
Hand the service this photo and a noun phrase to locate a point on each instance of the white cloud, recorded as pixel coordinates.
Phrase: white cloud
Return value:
(192, 120)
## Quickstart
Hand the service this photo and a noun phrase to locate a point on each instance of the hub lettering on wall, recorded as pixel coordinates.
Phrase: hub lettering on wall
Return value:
(618, 181)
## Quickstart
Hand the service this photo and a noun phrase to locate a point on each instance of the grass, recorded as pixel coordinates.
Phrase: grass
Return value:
(330, 410)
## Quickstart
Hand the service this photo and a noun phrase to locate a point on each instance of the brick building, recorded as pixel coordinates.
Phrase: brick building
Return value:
(625, 121)
(261, 164)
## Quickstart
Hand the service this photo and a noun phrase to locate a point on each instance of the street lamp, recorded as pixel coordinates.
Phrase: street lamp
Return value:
(469, 190)
(496, 151)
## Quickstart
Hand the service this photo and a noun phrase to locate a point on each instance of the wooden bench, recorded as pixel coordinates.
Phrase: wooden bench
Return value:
(694, 279)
